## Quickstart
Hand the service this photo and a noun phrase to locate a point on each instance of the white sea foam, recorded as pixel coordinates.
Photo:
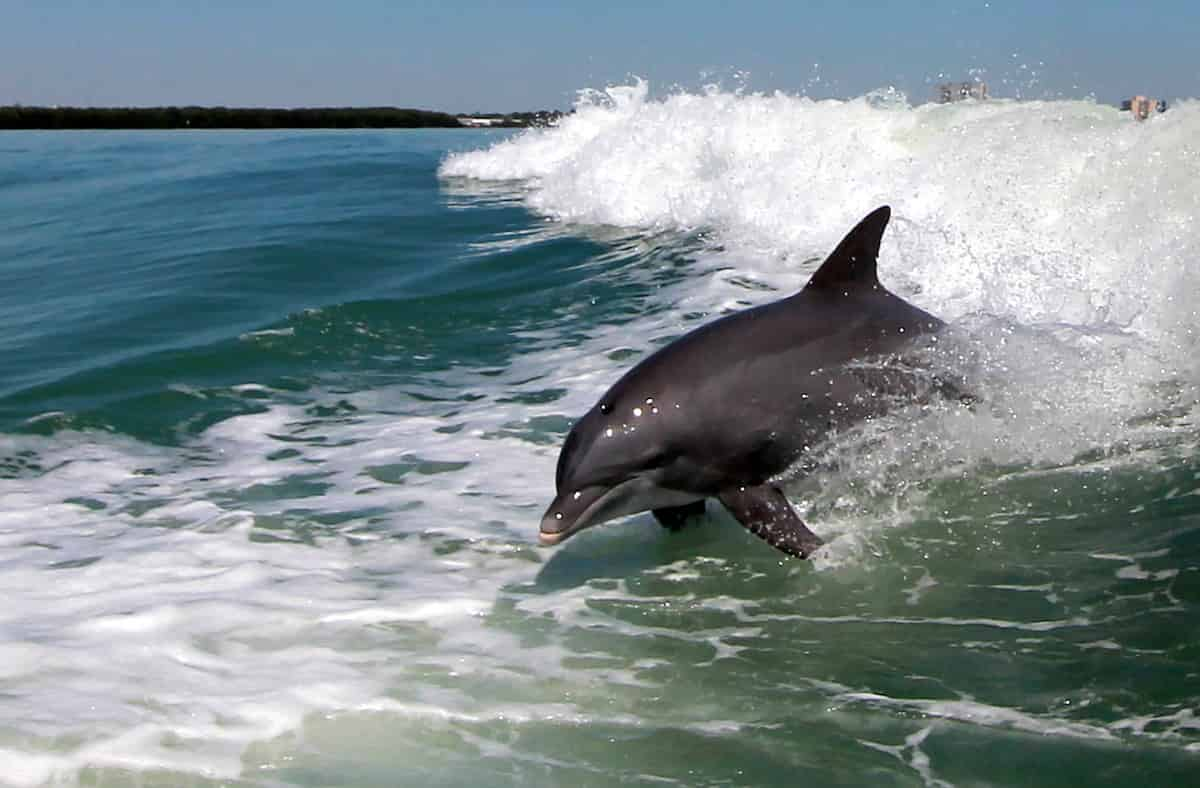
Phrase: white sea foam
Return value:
(1063, 213)
(170, 622)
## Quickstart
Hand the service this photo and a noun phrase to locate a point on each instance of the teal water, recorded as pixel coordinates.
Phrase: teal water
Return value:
(279, 413)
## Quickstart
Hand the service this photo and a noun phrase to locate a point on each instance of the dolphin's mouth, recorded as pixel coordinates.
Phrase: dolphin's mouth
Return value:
(549, 539)
(574, 510)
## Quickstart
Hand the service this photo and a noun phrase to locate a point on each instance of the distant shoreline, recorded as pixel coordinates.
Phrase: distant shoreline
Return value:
(15, 117)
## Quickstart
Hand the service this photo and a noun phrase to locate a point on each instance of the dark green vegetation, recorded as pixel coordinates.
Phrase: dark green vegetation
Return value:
(17, 117)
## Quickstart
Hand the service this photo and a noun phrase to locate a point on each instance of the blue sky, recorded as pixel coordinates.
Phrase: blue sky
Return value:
(472, 55)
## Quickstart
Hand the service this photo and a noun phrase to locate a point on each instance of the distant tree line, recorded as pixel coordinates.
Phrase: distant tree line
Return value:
(20, 117)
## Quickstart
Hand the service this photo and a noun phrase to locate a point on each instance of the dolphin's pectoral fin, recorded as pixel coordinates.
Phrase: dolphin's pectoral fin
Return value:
(674, 518)
(764, 512)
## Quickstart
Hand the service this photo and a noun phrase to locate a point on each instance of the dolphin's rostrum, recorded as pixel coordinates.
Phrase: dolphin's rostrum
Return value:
(722, 410)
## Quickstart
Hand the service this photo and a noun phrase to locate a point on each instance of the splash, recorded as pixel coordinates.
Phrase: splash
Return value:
(1059, 233)
(1033, 211)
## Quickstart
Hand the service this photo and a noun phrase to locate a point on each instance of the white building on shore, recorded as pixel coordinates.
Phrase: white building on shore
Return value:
(480, 122)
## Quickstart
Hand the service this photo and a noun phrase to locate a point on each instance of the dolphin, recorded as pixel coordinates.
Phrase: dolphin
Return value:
(724, 409)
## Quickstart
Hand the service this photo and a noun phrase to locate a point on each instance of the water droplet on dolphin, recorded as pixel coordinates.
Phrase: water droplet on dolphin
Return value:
(558, 515)
(637, 411)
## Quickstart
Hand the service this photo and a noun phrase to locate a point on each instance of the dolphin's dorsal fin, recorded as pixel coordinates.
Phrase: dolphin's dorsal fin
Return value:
(851, 266)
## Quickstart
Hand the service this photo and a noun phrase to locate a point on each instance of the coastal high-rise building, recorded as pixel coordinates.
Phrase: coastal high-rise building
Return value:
(948, 92)
(1141, 106)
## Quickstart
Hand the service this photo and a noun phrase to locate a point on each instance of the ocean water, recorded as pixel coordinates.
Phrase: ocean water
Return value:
(279, 414)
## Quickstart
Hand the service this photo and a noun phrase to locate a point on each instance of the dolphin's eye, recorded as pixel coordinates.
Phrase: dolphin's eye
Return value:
(605, 408)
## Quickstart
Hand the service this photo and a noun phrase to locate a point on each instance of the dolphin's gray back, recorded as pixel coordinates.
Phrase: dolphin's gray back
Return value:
(752, 391)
